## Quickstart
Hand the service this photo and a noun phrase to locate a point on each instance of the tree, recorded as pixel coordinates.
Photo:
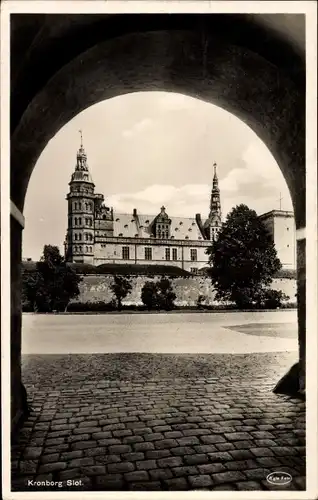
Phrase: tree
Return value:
(243, 259)
(149, 295)
(121, 287)
(53, 284)
(158, 295)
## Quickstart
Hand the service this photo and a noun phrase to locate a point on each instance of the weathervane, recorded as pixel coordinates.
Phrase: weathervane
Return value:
(81, 138)
(280, 201)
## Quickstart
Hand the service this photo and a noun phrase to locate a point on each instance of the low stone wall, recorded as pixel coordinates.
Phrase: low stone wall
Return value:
(96, 288)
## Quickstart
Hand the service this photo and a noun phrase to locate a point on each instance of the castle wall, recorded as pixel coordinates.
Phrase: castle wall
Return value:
(95, 288)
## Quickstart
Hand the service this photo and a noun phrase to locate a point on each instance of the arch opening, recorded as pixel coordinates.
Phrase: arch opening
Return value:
(218, 71)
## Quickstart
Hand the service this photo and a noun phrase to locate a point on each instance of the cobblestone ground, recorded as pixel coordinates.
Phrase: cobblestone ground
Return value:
(113, 422)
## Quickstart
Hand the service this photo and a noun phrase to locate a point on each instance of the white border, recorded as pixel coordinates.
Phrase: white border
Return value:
(171, 6)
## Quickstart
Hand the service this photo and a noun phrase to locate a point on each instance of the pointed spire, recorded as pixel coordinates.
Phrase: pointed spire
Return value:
(81, 156)
(214, 166)
(215, 203)
(215, 177)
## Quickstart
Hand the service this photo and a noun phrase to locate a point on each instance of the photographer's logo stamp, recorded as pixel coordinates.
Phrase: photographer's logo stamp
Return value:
(279, 478)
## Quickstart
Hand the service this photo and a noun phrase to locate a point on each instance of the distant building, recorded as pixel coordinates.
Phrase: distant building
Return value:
(281, 225)
(96, 234)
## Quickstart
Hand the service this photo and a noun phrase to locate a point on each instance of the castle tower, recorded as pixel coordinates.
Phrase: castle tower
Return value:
(79, 241)
(213, 224)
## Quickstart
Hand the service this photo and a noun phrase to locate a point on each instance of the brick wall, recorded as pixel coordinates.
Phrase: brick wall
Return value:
(96, 288)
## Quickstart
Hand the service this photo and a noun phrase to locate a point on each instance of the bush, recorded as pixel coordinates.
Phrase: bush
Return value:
(92, 306)
(200, 301)
(158, 295)
(274, 298)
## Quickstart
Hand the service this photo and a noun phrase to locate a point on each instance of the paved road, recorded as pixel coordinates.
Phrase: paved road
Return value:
(185, 428)
(160, 333)
(145, 420)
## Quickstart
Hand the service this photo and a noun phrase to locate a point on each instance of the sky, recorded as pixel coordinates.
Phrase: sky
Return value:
(149, 149)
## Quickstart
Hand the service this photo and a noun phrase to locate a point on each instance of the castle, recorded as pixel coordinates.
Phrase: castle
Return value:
(96, 234)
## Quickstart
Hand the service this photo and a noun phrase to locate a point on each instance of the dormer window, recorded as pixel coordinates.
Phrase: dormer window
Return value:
(120, 234)
(125, 226)
(180, 223)
(147, 221)
(117, 220)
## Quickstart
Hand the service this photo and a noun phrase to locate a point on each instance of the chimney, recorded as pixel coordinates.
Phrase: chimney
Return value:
(135, 212)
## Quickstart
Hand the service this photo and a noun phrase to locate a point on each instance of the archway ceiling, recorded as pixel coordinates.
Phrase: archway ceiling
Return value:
(265, 92)
(42, 44)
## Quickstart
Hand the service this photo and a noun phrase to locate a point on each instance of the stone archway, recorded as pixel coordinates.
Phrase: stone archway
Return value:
(222, 59)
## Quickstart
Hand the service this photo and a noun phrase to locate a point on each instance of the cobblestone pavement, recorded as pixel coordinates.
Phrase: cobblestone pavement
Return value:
(140, 432)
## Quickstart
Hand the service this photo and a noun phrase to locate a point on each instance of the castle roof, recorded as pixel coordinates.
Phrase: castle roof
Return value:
(131, 226)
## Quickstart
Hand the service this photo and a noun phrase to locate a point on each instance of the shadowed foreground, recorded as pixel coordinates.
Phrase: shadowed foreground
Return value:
(158, 422)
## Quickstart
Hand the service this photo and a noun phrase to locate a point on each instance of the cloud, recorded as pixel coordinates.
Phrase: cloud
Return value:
(256, 167)
(137, 128)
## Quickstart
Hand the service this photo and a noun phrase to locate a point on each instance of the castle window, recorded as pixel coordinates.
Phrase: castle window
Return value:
(126, 226)
(194, 270)
(117, 220)
(176, 229)
(86, 206)
(104, 217)
(148, 253)
(136, 235)
(86, 249)
(80, 221)
(80, 248)
(167, 234)
(75, 206)
(90, 249)
(75, 221)
(147, 221)
(180, 223)
(80, 206)
(125, 253)
(193, 223)
(287, 228)
(193, 254)
(75, 249)
(86, 236)
(120, 234)
(172, 237)
(167, 253)
(190, 229)
(80, 237)
(186, 238)
(174, 254)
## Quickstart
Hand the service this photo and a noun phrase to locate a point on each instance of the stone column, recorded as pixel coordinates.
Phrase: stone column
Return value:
(301, 295)
(294, 382)
(18, 403)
